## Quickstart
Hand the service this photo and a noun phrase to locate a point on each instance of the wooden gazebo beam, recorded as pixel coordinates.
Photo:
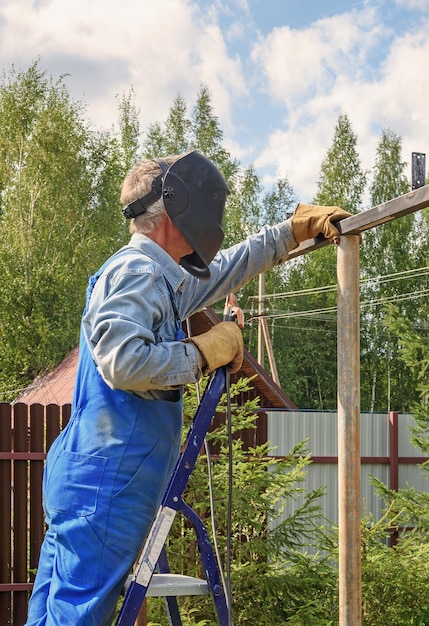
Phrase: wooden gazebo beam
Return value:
(386, 212)
(348, 349)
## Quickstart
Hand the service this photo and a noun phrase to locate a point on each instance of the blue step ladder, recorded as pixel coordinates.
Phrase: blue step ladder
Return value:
(145, 582)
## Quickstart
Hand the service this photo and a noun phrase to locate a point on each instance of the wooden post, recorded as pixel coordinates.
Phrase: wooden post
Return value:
(393, 451)
(264, 335)
(270, 351)
(261, 307)
(349, 432)
(393, 464)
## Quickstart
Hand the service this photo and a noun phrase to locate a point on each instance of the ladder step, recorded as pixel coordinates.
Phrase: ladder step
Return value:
(164, 585)
(176, 585)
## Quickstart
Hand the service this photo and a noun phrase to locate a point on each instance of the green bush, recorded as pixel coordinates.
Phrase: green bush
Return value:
(271, 581)
(274, 582)
(395, 578)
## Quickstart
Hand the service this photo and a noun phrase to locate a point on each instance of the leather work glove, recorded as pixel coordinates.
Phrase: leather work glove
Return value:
(309, 220)
(221, 345)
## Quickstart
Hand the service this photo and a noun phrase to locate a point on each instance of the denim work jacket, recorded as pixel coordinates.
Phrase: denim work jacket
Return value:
(141, 296)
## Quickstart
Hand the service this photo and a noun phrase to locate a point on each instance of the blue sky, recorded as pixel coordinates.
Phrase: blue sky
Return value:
(279, 71)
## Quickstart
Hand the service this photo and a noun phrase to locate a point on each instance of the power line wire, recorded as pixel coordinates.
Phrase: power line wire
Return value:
(333, 309)
(414, 273)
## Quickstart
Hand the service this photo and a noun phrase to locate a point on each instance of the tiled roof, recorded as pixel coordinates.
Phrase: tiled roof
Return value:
(56, 387)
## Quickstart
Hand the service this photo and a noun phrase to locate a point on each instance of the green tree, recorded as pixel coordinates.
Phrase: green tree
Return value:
(394, 579)
(386, 258)
(207, 135)
(129, 130)
(59, 183)
(172, 137)
(308, 369)
(276, 205)
(243, 206)
(342, 181)
(182, 132)
(271, 580)
(389, 180)
(413, 351)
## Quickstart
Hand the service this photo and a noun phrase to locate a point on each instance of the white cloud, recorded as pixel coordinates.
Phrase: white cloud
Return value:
(420, 5)
(295, 81)
(159, 48)
(329, 75)
(298, 63)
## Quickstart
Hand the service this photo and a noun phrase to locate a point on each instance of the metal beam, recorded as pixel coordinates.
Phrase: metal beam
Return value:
(386, 212)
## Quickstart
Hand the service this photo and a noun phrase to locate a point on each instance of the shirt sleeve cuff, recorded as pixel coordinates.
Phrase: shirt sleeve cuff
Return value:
(287, 232)
(195, 358)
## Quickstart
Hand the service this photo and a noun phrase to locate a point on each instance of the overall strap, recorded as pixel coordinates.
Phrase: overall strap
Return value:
(179, 331)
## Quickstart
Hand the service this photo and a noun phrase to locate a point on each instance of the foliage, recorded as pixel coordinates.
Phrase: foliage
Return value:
(342, 181)
(413, 350)
(250, 211)
(394, 579)
(307, 362)
(129, 130)
(387, 251)
(270, 578)
(274, 580)
(389, 180)
(181, 133)
(58, 220)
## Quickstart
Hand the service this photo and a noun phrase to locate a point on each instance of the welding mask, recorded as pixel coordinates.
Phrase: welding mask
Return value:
(194, 194)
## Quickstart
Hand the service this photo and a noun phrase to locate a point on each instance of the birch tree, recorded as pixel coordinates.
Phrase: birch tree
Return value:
(59, 188)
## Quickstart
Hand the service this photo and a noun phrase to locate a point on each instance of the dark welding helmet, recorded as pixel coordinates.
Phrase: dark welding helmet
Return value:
(194, 194)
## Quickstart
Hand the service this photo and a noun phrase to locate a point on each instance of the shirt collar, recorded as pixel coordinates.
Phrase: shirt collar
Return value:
(172, 270)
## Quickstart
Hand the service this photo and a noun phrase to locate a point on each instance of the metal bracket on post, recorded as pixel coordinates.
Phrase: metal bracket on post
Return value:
(418, 170)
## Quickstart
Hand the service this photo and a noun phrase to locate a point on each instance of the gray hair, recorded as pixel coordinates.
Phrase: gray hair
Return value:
(137, 184)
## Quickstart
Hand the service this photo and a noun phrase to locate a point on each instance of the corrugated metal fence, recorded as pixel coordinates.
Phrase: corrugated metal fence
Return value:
(26, 433)
(386, 453)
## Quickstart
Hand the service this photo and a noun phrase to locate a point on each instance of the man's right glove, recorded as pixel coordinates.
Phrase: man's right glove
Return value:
(221, 345)
(309, 220)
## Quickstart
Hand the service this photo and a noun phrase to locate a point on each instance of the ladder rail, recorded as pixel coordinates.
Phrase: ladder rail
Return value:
(170, 504)
(208, 561)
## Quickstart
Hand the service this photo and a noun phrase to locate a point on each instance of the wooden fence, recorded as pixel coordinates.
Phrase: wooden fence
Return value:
(26, 433)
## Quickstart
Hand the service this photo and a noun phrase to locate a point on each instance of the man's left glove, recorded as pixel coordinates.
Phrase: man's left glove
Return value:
(221, 345)
(309, 220)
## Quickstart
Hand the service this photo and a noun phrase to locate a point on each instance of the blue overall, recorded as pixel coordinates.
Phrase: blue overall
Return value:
(106, 471)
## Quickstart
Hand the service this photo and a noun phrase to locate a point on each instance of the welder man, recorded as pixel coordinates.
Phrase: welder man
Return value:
(107, 471)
